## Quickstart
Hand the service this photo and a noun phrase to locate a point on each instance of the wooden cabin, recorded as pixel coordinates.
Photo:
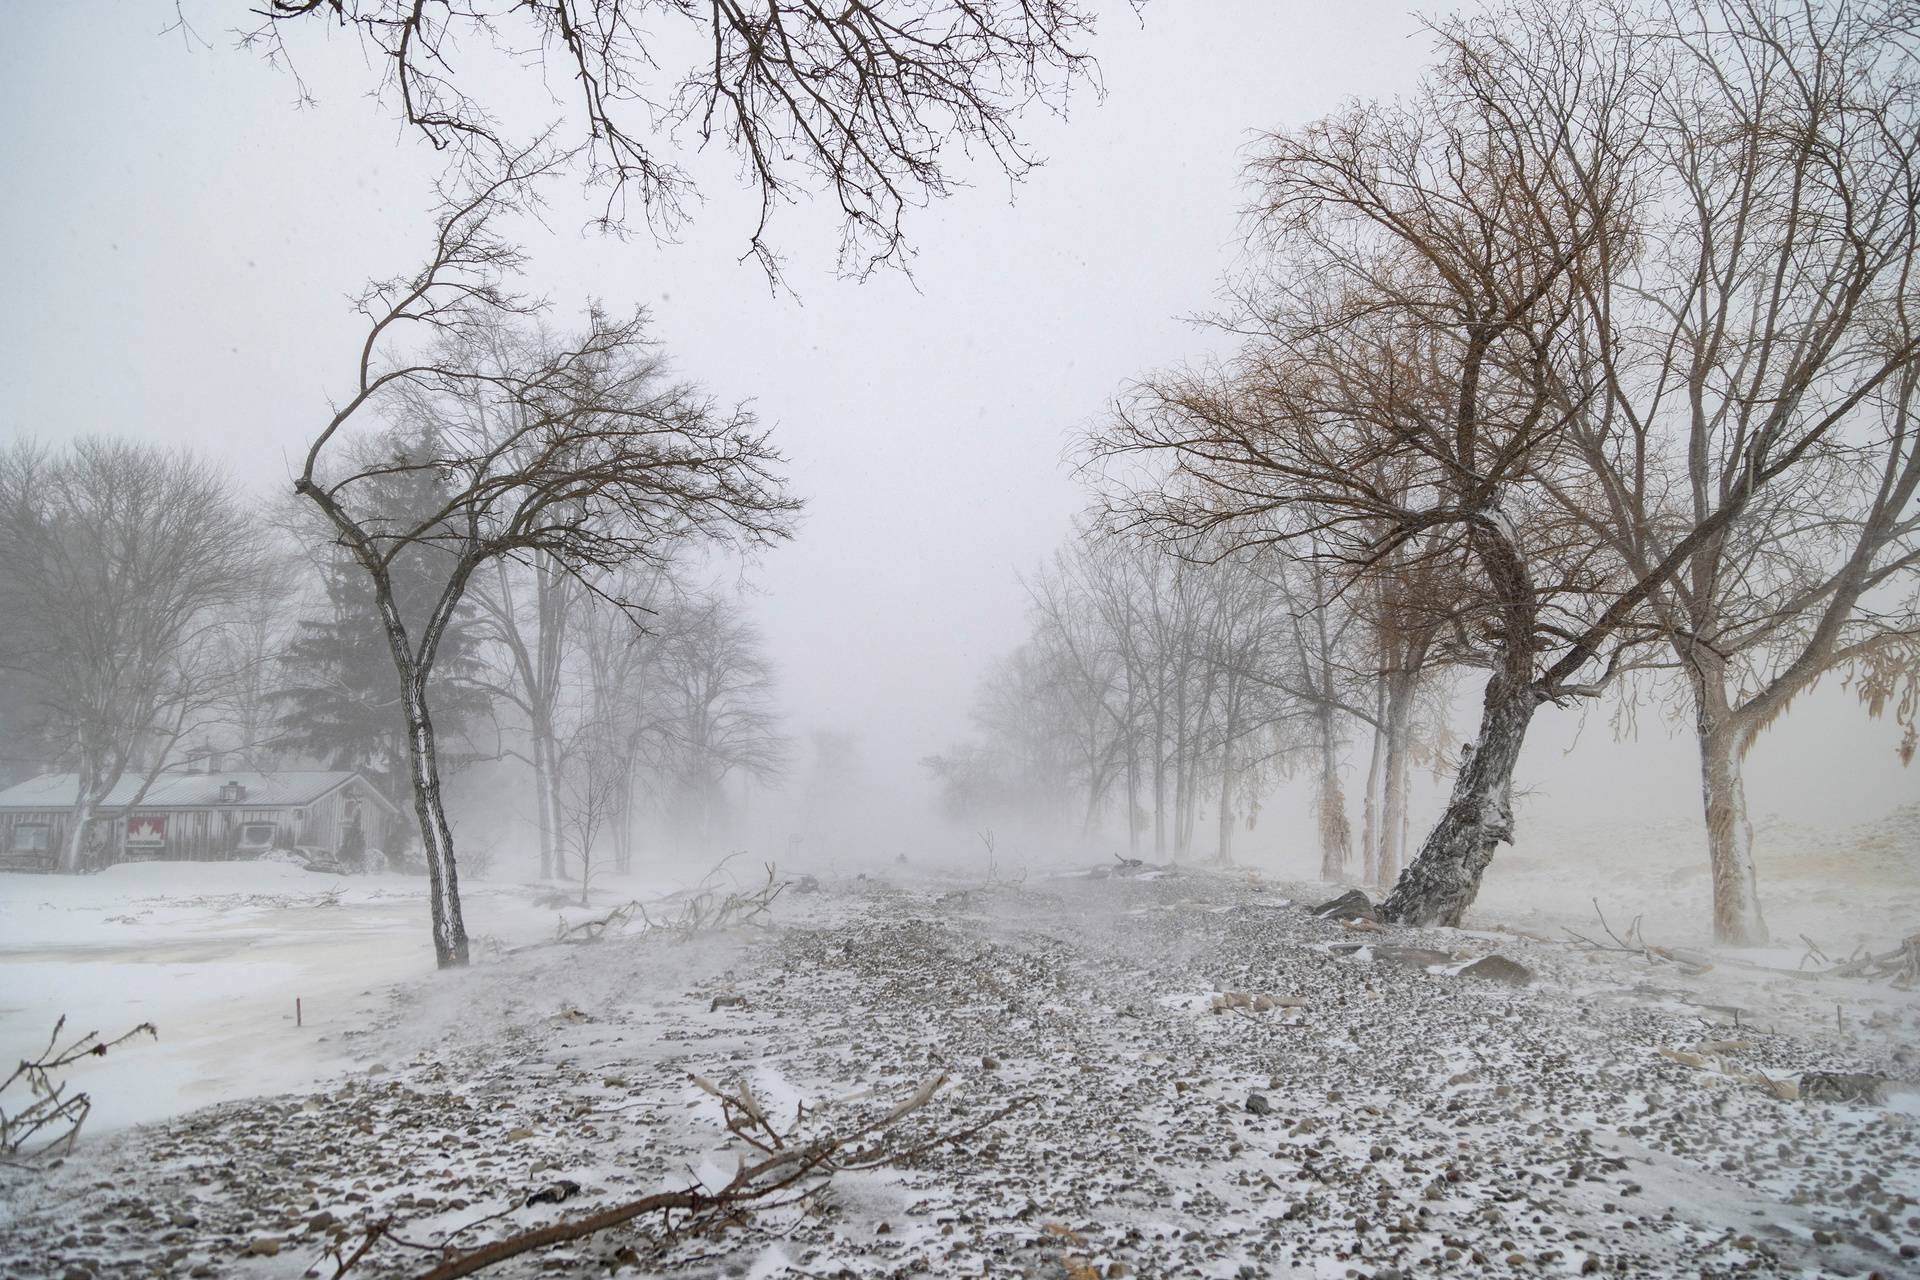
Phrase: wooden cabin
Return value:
(193, 816)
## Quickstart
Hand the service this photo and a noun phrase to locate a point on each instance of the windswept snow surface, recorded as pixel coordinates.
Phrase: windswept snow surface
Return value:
(1415, 1123)
(215, 954)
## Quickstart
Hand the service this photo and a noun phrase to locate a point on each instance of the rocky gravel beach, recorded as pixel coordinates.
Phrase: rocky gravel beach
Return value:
(1207, 1080)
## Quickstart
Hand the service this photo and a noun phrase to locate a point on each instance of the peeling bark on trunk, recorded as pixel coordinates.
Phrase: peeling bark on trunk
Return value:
(1441, 883)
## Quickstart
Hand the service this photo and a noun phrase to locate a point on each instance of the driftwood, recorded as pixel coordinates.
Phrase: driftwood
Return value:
(52, 1107)
(788, 1163)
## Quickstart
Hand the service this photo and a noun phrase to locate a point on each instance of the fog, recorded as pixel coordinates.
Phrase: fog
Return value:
(188, 225)
(184, 235)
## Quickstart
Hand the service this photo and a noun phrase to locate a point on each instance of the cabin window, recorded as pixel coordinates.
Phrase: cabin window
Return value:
(258, 834)
(31, 837)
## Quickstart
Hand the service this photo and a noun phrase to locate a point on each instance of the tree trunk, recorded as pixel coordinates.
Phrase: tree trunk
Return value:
(1723, 748)
(551, 803)
(449, 930)
(1160, 799)
(1393, 806)
(1441, 883)
(1224, 839)
(78, 824)
(623, 820)
(1371, 833)
(1336, 836)
(1133, 798)
(423, 770)
(540, 794)
(1393, 817)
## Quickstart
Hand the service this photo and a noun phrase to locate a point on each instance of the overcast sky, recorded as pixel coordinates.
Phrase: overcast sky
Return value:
(181, 241)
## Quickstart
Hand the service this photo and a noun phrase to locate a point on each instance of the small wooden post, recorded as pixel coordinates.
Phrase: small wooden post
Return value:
(296, 1012)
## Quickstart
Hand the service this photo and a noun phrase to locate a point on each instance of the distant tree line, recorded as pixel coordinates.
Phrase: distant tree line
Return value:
(1166, 695)
(154, 617)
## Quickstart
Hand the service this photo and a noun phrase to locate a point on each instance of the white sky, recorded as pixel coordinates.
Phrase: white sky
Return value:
(181, 240)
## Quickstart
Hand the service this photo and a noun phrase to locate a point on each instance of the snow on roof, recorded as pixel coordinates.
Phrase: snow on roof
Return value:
(184, 790)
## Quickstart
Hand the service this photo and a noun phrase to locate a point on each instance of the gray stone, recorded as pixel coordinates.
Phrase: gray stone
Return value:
(1498, 969)
(1351, 905)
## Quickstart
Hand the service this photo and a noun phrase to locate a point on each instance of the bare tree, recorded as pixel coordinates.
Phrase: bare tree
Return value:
(529, 611)
(1768, 316)
(1433, 358)
(863, 100)
(591, 793)
(717, 700)
(123, 569)
(577, 449)
(1145, 678)
(627, 697)
(1396, 398)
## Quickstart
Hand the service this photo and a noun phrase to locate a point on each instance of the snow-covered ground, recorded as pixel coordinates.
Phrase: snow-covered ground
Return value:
(1856, 886)
(216, 954)
(1410, 1121)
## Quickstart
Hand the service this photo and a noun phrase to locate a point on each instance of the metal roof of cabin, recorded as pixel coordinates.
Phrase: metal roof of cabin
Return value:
(184, 790)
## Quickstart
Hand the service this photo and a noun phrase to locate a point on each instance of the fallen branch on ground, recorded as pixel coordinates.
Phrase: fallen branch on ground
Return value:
(1901, 964)
(790, 1163)
(592, 930)
(709, 910)
(1693, 962)
(52, 1106)
(705, 910)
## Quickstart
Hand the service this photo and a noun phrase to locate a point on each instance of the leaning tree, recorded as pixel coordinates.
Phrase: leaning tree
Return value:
(573, 449)
(1396, 396)
(1437, 311)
